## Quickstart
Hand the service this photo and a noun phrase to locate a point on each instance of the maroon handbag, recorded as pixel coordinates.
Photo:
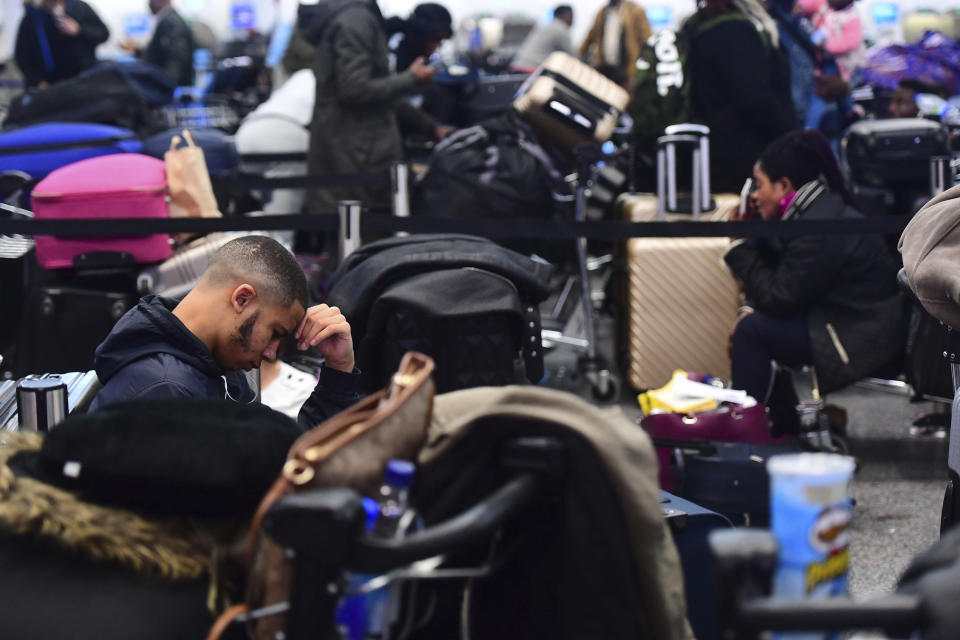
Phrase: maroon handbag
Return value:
(729, 423)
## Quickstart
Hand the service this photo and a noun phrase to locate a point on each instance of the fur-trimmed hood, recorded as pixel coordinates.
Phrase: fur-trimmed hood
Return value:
(173, 549)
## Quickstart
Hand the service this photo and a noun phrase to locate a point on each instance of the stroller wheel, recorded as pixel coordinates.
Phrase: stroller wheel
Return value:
(606, 387)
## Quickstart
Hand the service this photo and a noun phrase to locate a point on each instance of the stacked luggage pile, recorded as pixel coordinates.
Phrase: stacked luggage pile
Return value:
(471, 310)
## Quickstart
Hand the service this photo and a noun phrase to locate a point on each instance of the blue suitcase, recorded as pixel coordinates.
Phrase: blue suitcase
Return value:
(218, 148)
(39, 149)
(690, 525)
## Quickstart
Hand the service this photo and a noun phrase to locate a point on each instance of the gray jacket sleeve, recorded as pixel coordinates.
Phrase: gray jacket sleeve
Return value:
(414, 120)
(353, 50)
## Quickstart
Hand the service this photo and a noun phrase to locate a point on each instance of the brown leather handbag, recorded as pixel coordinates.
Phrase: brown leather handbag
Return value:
(349, 450)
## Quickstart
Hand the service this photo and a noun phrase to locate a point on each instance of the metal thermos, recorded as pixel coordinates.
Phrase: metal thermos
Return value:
(41, 403)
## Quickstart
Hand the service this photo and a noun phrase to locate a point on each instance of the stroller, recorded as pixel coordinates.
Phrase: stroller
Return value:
(468, 303)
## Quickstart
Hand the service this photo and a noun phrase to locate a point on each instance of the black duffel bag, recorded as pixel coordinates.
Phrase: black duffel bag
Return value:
(122, 94)
(496, 169)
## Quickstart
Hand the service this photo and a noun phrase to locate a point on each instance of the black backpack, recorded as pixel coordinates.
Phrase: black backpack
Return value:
(468, 303)
(120, 94)
(496, 169)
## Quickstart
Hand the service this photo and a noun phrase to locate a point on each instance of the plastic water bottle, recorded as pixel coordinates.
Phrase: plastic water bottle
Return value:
(351, 615)
(392, 520)
(393, 498)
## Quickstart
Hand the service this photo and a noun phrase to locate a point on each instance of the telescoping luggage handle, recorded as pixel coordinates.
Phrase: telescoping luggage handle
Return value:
(696, 137)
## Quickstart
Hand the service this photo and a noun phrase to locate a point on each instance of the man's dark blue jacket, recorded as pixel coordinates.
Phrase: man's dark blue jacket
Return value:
(151, 354)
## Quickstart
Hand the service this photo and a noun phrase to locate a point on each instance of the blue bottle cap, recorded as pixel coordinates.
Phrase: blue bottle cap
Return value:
(372, 509)
(399, 473)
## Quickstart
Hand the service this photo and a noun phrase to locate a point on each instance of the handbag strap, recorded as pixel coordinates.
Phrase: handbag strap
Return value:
(42, 40)
(320, 443)
(225, 619)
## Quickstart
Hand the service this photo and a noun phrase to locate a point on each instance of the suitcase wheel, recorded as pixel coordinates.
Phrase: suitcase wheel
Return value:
(47, 306)
(117, 309)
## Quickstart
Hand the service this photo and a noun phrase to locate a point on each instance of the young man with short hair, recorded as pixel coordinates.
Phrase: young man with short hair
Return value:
(251, 296)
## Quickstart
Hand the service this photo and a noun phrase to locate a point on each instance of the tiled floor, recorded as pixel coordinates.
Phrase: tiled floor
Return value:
(898, 489)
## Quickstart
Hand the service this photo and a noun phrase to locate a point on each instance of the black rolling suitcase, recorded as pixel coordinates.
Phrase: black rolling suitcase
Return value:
(690, 525)
(67, 315)
(889, 162)
(894, 151)
(491, 97)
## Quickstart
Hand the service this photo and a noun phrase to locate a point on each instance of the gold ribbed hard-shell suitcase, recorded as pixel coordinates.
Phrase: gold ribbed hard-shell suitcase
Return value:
(570, 102)
(682, 299)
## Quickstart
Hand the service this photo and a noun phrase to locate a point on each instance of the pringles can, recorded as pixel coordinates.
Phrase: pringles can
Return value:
(810, 512)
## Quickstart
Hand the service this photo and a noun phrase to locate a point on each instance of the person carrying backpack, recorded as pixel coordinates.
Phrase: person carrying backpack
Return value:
(740, 85)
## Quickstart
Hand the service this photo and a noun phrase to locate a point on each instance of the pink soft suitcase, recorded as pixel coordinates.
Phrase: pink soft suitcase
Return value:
(117, 186)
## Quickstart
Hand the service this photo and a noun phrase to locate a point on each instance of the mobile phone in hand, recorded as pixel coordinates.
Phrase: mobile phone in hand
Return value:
(745, 197)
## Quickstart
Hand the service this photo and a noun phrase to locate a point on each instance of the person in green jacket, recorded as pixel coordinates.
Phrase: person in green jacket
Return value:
(360, 113)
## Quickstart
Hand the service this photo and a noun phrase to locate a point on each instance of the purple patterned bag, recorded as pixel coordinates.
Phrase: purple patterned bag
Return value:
(934, 58)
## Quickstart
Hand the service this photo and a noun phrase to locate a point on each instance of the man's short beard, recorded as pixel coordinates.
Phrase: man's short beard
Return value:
(244, 331)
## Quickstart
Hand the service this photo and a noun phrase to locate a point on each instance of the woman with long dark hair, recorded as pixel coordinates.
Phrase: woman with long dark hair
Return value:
(826, 300)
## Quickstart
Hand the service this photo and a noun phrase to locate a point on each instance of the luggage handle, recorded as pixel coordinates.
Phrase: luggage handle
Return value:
(696, 137)
(97, 260)
(702, 131)
(700, 447)
(667, 174)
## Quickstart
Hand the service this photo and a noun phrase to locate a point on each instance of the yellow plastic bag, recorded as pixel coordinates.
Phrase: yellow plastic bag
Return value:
(667, 398)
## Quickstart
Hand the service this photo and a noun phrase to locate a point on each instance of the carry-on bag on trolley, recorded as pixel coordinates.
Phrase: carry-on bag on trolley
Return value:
(39, 149)
(116, 186)
(570, 102)
(682, 299)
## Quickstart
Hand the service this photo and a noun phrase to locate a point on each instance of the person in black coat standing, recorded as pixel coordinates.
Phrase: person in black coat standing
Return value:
(826, 300)
(56, 40)
(740, 86)
(171, 47)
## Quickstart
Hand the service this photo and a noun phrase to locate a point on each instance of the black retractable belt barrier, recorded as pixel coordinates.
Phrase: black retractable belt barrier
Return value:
(244, 182)
(130, 227)
(518, 228)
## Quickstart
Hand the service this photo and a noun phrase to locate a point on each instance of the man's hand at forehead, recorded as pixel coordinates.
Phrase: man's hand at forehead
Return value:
(327, 329)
